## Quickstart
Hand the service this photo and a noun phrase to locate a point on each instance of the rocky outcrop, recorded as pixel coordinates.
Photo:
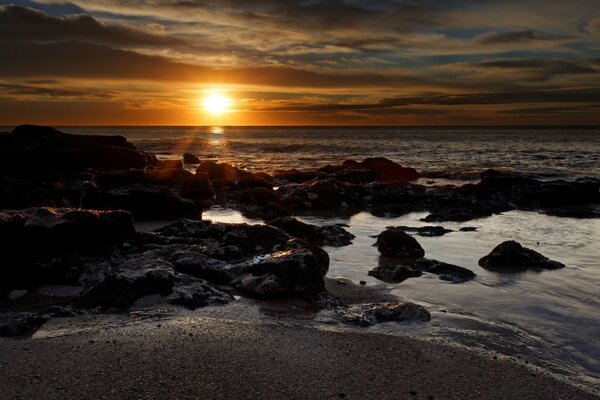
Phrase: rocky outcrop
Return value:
(190, 159)
(292, 272)
(194, 293)
(512, 255)
(399, 273)
(427, 231)
(328, 235)
(371, 314)
(19, 323)
(388, 171)
(394, 242)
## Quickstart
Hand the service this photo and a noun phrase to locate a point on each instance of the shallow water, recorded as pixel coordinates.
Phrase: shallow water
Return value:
(562, 151)
(550, 318)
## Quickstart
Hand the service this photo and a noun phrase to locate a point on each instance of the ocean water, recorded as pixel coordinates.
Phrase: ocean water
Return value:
(549, 318)
(545, 151)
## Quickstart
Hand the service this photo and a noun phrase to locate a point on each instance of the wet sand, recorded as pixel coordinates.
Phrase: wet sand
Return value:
(193, 358)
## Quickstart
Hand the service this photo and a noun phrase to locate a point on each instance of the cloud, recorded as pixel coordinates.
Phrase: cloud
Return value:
(23, 24)
(516, 37)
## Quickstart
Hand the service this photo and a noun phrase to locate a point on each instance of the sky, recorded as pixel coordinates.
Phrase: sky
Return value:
(310, 62)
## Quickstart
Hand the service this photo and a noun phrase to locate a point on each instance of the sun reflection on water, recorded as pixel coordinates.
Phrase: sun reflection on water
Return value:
(216, 130)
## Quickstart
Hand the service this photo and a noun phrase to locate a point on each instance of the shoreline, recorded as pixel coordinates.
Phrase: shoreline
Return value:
(193, 357)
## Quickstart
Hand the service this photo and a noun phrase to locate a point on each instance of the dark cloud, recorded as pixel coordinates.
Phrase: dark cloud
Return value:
(83, 60)
(23, 24)
(25, 90)
(516, 37)
(482, 99)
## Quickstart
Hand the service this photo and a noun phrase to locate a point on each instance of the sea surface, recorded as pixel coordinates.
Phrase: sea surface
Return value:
(454, 151)
(547, 318)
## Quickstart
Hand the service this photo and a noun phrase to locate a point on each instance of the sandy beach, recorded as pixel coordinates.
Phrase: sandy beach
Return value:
(192, 358)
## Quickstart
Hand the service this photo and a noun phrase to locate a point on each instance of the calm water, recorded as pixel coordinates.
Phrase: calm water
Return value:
(564, 151)
(549, 318)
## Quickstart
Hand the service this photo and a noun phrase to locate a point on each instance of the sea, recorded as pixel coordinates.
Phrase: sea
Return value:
(546, 318)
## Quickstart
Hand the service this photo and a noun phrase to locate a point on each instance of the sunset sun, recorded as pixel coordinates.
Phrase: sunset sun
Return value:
(216, 103)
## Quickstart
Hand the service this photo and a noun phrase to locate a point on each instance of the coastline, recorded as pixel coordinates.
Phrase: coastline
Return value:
(196, 357)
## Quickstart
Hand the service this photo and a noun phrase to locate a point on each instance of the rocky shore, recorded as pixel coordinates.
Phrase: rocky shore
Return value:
(68, 205)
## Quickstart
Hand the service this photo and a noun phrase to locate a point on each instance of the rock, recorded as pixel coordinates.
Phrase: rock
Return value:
(322, 256)
(168, 176)
(145, 202)
(399, 273)
(330, 235)
(511, 254)
(190, 159)
(258, 195)
(356, 175)
(224, 171)
(186, 228)
(193, 293)
(169, 164)
(394, 242)
(19, 323)
(574, 212)
(394, 273)
(322, 195)
(292, 272)
(47, 149)
(468, 229)
(295, 176)
(250, 239)
(199, 189)
(136, 277)
(388, 170)
(427, 231)
(371, 314)
(192, 262)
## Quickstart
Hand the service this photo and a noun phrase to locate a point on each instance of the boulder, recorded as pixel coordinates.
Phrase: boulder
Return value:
(371, 314)
(388, 170)
(399, 273)
(193, 293)
(224, 171)
(186, 228)
(329, 235)
(394, 242)
(199, 189)
(190, 159)
(512, 255)
(427, 231)
(291, 272)
(19, 323)
(192, 261)
(169, 164)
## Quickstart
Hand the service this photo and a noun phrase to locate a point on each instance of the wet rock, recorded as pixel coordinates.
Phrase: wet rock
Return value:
(199, 189)
(296, 176)
(394, 242)
(169, 164)
(468, 229)
(145, 202)
(356, 175)
(138, 276)
(427, 231)
(250, 239)
(194, 293)
(259, 180)
(329, 235)
(322, 195)
(371, 314)
(292, 272)
(322, 256)
(394, 273)
(511, 254)
(388, 170)
(19, 323)
(192, 261)
(190, 159)
(186, 228)
(399, 273)
(168, 176)
(258, 195)
(223, 171)
(574, 212)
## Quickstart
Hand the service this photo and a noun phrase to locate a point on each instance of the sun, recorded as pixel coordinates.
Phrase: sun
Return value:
(216, 103)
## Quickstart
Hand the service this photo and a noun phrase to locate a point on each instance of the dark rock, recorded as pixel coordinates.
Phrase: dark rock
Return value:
(511, 254)
(330, 235)
(415, 268)
(221, 171)
(295, 176)
(255, 181)
(19, 323)
(574, 212)
(47, 149)
(192, 262)
(356, 175)
(193, 293)
(388, 170)
(168, 176)
(186, 228)
(169, 164)
(322, 256)
(292, 272)
(468, 229)
(190, 159)
(428, 231)
(371, 314)
(199, 189)
(250, 239)
(258, 195)
(394, 242)
(394, 273)
(322, 195)
(145, 202)
(138, 276)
